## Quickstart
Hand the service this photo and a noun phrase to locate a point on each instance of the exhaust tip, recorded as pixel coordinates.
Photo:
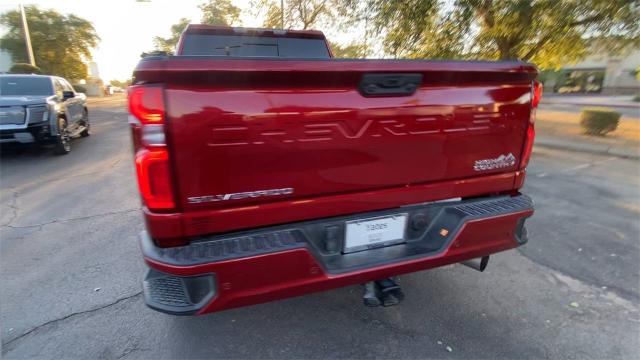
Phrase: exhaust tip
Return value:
(477, 264)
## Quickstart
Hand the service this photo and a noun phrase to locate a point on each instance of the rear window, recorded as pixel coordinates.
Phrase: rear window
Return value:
(18, 85)
(254, 46)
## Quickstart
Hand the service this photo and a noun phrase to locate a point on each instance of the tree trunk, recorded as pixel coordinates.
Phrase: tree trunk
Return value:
(505, 49)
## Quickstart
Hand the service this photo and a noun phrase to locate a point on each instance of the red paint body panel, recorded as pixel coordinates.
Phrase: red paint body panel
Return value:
(223, 220)
(248, 125)
(448, 72)
(276, 276)
(328, 142)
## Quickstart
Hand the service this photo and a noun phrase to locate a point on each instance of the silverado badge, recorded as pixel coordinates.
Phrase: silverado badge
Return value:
(239, 195)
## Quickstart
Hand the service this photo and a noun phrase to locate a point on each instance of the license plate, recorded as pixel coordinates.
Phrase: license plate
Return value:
(373, 233)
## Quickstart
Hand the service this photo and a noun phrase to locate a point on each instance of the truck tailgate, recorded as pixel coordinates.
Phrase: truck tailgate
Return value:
(247, 132)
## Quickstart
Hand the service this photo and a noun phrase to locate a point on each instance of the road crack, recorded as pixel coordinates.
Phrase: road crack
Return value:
(132, 349)
(69, 219)
(13, 206)
(34, 329)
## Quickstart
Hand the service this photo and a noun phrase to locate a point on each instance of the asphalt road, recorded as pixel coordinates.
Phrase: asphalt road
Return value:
(70, 274)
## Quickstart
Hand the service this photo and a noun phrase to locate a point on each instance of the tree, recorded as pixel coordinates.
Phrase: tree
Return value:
(220, 12)
(351, 51)
(214, 12)
(546, 32)
(23, 68)
(120, 84)
(298, 14)
(168, 44)
(61, 43)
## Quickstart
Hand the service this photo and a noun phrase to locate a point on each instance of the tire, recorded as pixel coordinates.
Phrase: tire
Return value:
(62, 145)
(85, 119)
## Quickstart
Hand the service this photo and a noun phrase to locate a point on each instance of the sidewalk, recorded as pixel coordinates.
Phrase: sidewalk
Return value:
(563, 143)
(562, 131)
(625, 101)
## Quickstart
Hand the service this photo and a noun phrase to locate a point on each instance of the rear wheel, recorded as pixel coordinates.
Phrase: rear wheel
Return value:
(87, 125)
(62, 145)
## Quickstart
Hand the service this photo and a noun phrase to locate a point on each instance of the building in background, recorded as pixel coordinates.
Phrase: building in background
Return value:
(93, 84)
(94, 72)
(599, 73)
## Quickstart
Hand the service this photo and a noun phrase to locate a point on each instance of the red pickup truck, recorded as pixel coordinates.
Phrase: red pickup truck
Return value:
(267, 169)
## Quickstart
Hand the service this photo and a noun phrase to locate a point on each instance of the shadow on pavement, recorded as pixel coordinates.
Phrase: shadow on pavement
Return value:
(10, 152)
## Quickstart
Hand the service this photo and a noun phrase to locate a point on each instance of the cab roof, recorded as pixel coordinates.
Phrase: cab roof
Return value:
(228, 30)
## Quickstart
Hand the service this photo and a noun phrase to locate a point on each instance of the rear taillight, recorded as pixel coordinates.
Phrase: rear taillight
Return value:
(536, 95)
(146, 105)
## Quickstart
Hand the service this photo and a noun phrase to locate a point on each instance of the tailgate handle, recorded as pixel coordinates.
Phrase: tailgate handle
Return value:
(389, 84)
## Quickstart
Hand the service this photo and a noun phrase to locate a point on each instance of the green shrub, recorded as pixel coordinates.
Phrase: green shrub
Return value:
(636, 98)
(23, 68)
(599, 121)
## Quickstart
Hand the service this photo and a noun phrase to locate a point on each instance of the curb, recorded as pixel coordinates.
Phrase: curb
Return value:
(626, 106)
(564, 144)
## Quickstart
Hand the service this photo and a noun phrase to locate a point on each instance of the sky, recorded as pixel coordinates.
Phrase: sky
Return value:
(127, 27)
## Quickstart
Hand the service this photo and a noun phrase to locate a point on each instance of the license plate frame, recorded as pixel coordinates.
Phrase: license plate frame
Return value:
(358, 236)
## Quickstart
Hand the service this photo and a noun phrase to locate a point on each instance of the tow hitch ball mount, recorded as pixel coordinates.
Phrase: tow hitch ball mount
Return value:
(387, 292)
(383, 292)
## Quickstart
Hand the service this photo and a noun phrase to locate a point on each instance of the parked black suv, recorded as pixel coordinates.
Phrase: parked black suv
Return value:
(41, 109)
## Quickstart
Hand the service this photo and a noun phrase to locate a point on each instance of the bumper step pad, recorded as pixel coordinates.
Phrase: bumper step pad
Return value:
(231, 248)
(498, 206)
(312, 234)
(176, 294)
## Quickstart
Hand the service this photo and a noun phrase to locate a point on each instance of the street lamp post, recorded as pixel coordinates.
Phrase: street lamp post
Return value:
(27, 37)
(282, 14)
